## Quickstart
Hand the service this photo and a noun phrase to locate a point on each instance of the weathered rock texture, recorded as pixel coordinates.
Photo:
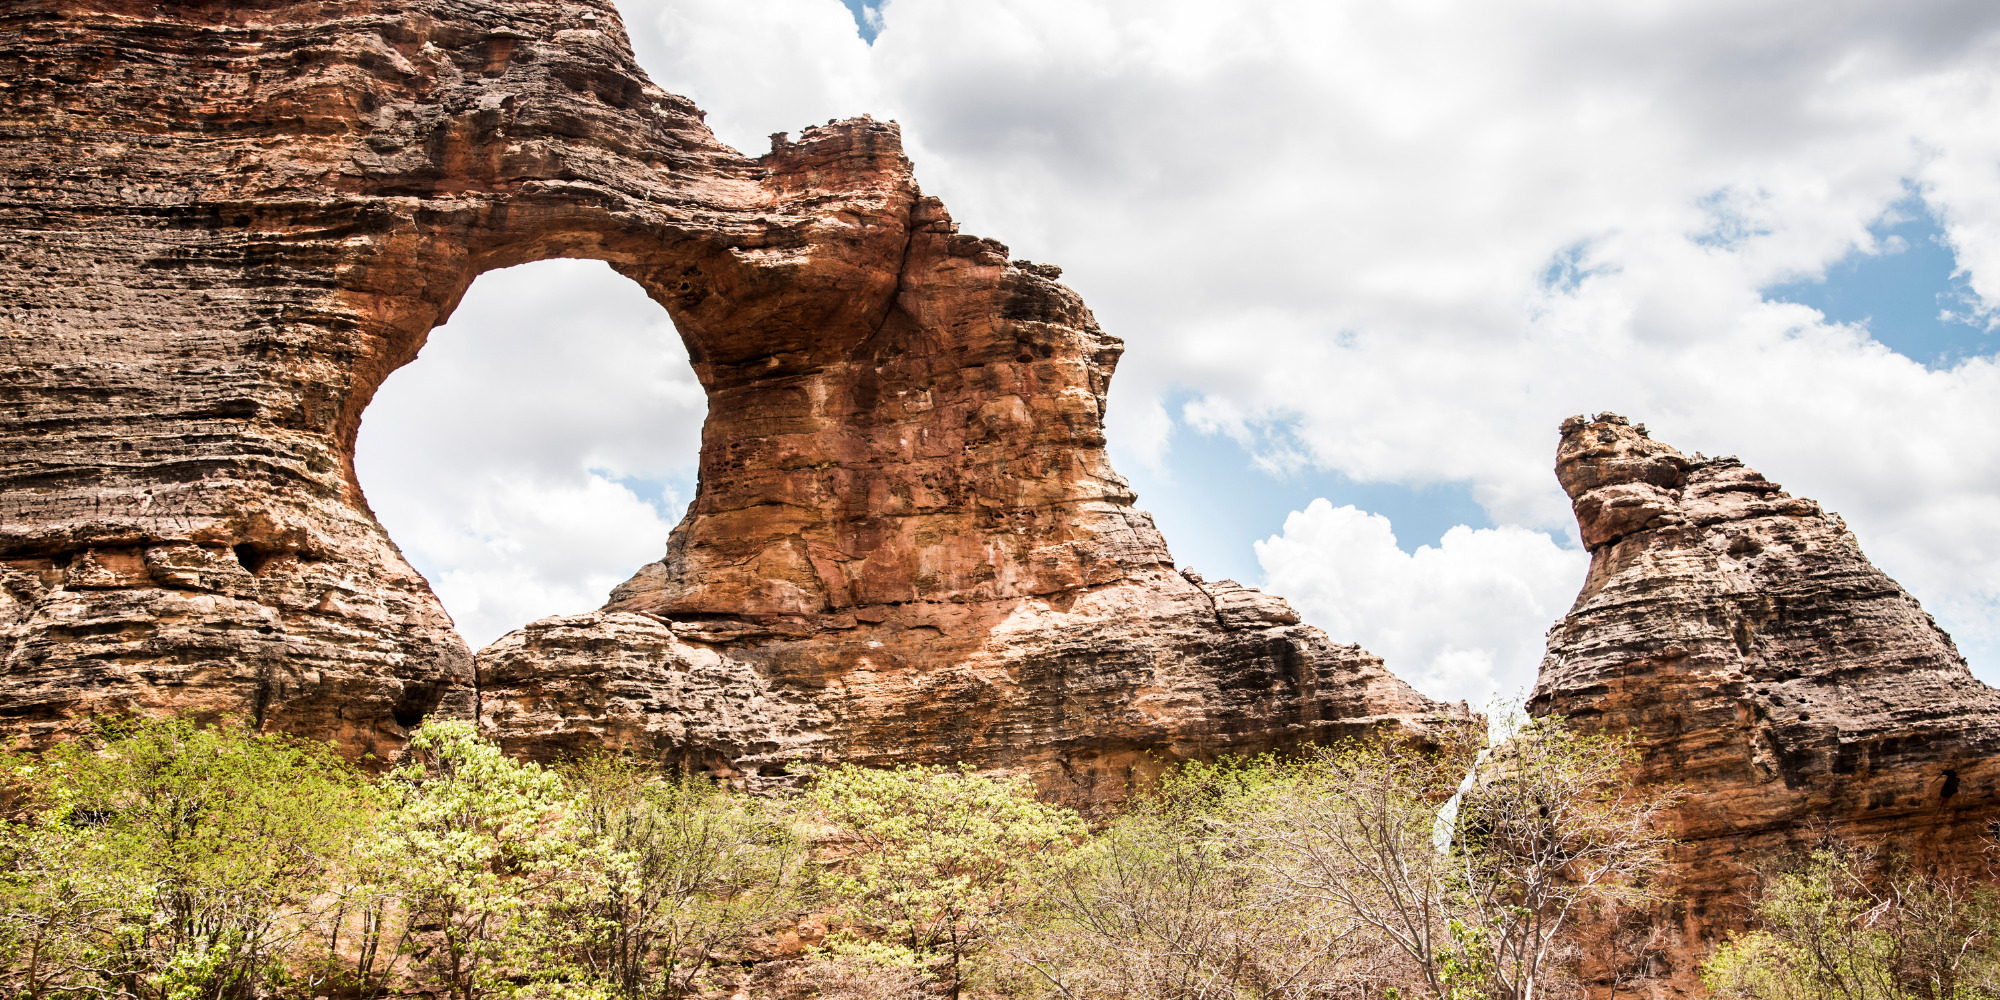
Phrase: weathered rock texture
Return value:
(1084, 688)
(225, 224)
(1768, 668)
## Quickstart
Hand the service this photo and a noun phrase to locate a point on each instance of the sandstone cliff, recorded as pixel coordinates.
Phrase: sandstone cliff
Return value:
(222, 225)
(1768, 668)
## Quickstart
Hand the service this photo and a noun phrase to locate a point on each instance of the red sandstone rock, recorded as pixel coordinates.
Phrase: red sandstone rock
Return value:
(225, 224)
(1767, 668)
(1084, 690)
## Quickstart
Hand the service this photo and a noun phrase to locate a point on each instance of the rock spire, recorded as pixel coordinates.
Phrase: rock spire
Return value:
(1793, 690)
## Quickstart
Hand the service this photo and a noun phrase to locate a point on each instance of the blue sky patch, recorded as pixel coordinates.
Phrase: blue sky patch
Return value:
(1569, 267)
(669, 496)
(1729, 227)
(867, 18)
(1902, 293)
(1214, 501)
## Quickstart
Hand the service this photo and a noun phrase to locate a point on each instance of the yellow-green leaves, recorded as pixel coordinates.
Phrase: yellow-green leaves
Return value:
(169, 860)
(675, 871)
(476, 839)
(935, 855)
(1839, 923)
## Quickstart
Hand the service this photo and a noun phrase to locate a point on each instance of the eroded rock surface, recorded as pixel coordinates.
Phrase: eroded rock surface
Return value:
(1768, 668)
(1085, 690)
(222, 225)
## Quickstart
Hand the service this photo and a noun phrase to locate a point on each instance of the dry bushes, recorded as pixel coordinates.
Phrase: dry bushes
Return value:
(1843, 925)
(174, 862)
(1365, 870)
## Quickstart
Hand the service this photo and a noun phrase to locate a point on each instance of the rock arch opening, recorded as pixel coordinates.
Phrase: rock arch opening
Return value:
(539, 448)
(908, 542)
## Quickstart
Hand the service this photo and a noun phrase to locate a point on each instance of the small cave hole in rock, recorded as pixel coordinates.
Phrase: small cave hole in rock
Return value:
(415, 702)
(251, 559)
(539, 449)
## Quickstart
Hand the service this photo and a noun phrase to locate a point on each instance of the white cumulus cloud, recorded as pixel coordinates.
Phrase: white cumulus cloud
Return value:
(1402, 241)
(1460, 620)
(538, 450)
(1396, 241)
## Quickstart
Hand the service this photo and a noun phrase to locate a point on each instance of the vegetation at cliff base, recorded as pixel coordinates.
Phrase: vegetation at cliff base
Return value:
(1829, 927)
(171, 861)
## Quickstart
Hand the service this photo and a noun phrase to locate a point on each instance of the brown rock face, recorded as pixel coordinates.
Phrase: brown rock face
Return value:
(1767, 667)
(225, 224)
(1083, 689)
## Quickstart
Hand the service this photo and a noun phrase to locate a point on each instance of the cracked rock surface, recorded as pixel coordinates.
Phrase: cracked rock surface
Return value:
(1765, 666)
(223, 225)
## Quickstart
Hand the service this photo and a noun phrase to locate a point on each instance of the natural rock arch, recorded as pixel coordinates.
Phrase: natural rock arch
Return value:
(907, 542)
(543, 444)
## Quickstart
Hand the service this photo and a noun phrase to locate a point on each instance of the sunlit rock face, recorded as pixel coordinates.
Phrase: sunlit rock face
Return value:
(225, 224)
(1793, 690)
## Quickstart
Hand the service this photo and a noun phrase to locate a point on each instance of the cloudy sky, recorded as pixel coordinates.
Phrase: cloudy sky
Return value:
(1365, 256)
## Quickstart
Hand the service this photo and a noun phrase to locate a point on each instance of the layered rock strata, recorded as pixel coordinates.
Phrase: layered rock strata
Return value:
(1767, 668)
(222, 225)
(1085, 690)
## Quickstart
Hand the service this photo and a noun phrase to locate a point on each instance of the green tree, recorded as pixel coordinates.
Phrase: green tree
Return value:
(471, 847)
(59, 920)
(936, 856)
(1828, 931)
(680, 868)
(169, 860)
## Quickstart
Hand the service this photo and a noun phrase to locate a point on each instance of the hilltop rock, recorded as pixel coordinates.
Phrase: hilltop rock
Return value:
(1766, 667)
(226, 224)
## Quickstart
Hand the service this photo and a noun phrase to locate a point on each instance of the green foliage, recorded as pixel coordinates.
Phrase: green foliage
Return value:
(172, 861)
(848, 966)
(1827, 932)
(1194, 793)
(680, 869)
(475, 840)
(938, 855)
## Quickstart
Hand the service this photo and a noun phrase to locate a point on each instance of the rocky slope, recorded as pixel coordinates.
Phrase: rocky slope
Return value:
(1767, 668)
(1085, 690)
(222, 225)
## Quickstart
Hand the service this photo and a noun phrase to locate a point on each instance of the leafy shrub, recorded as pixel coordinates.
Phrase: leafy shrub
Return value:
(1828, 931)
(854, 968)
(168, 861)
(471, 846)
(938, 856)
(680, 870)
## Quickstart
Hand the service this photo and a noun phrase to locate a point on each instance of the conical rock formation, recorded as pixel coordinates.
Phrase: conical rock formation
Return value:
(1767, 668)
